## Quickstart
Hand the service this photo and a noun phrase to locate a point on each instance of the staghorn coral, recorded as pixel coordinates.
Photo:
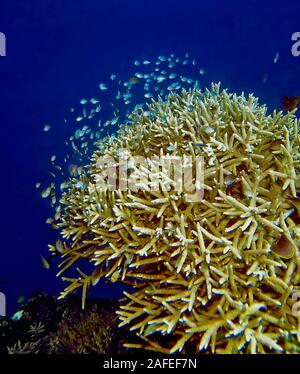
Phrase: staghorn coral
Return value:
(215, 275)
(26, 348)
(37, 341)
(83, 333)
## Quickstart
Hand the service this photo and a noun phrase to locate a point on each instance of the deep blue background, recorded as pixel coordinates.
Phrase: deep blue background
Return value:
(58, 51)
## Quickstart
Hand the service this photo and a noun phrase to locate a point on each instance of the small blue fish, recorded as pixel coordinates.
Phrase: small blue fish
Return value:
(80, 185)
(18, 315)
(160, 78)
(47, 128)
(229, 183)
(21, 299)
(102, 86)
(162, 58)
(139, 75)
(199, 145)
(171, 148)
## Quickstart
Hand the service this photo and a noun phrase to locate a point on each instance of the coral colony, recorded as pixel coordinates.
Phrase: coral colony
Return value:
(211, 274)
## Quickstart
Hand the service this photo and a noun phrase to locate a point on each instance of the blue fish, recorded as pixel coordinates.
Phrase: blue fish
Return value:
(18, 315)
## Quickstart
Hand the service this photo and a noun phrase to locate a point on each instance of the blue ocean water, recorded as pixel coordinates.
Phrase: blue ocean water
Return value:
(58, 51)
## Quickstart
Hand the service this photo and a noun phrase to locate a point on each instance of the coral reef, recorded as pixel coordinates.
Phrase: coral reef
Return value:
(215, 275)
(51, 326)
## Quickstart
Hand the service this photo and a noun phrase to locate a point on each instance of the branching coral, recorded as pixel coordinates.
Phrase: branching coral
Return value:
(83, 333)
(215, 275)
